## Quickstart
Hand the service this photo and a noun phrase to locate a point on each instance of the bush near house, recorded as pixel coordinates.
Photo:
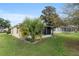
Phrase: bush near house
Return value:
(31, 27)
(9, 31)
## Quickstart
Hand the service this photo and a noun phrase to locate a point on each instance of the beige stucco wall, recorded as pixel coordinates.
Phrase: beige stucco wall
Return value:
(16, 32)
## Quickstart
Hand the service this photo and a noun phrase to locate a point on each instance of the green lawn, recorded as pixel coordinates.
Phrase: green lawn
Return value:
(71, 43)
(60, 44)
(12, 46)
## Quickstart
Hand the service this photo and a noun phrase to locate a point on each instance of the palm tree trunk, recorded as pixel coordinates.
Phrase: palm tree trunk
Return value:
(33, 38)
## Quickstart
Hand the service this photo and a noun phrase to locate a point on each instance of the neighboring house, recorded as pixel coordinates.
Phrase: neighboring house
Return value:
(1, 29)
(69, 28)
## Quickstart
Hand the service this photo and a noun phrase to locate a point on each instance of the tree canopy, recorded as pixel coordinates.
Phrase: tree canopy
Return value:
(72, 12)
(50, 17)
(4, 23)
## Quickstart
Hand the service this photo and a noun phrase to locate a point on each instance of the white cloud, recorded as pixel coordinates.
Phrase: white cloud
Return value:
(15, 18)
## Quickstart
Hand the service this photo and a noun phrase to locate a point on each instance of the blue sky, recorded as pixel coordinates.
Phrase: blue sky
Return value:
(16, 12)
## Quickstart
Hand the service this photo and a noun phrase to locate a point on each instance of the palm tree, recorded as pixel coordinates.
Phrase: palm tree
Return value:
(32, 27)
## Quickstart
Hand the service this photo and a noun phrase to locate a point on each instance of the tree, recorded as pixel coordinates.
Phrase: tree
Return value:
(72, 12)
(4, 23)
(50, 17)
(31, 27)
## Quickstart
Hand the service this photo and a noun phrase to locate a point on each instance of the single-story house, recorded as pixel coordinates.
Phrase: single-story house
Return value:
(15, 31)
(47, 31)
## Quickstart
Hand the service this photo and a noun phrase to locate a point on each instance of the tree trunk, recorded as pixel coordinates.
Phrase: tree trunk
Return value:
(33, 38)
(52, 31)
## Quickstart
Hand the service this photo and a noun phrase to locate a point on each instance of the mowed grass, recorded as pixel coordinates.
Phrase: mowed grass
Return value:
(15, 47)
(71, 43)
(58, 45)
(69, 35)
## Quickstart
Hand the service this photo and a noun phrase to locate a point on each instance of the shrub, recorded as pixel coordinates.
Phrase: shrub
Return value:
(31, 27)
